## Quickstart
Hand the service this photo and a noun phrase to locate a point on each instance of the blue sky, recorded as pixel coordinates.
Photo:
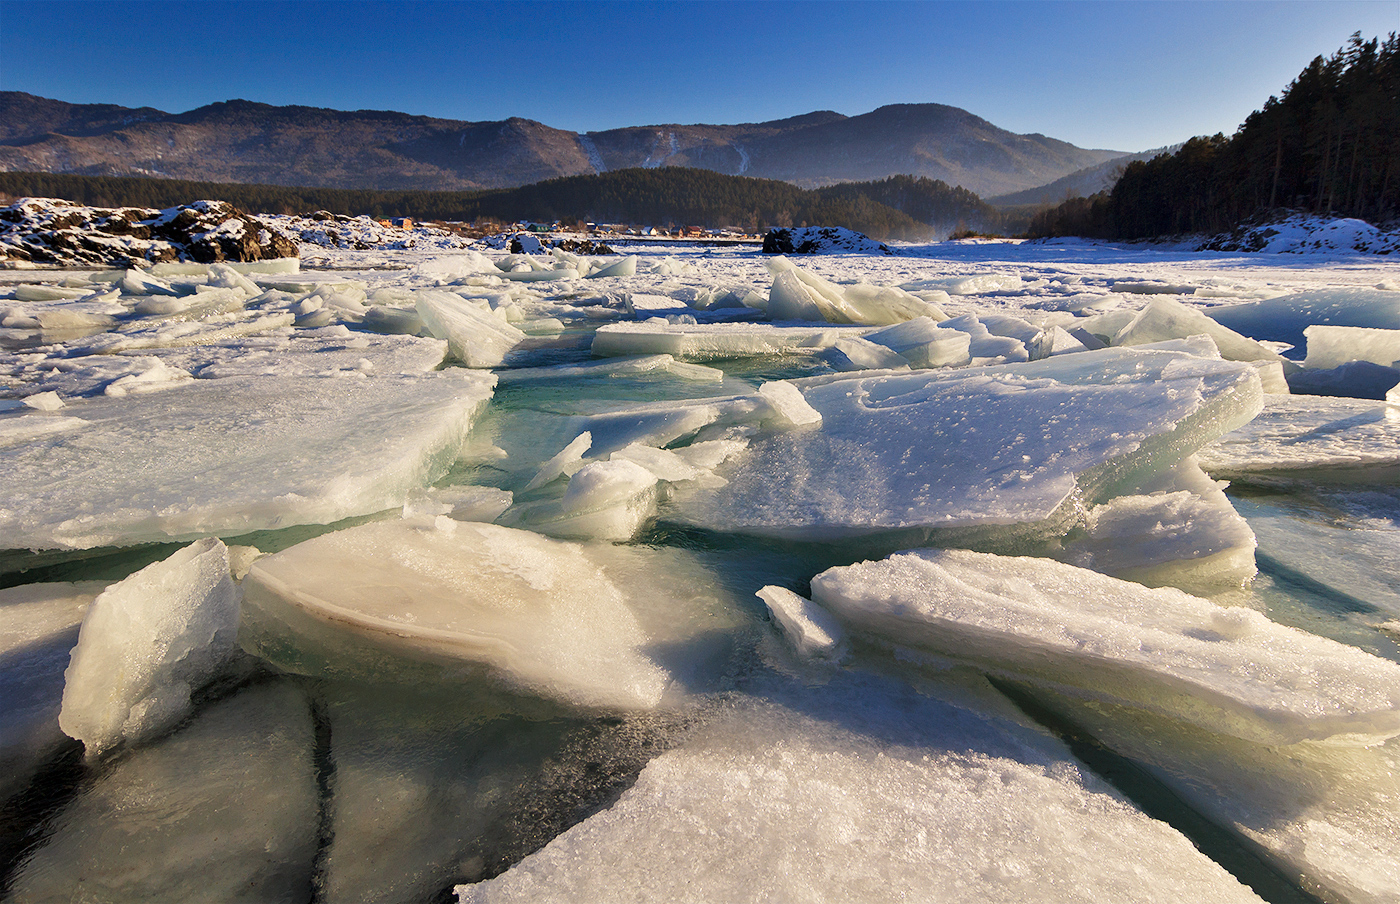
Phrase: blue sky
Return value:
(1123, 75)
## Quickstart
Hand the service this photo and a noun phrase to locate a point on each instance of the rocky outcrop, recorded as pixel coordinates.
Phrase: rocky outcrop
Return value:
(53, 232)
(821, 240)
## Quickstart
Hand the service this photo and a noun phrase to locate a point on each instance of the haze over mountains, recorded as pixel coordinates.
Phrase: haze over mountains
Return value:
(242, 141)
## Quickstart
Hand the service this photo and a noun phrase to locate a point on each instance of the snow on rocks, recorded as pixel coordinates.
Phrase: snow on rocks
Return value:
(567, 622)
(1301, 233)
(1230, 670)
(146, 643)
(821, 240)
(47, 231)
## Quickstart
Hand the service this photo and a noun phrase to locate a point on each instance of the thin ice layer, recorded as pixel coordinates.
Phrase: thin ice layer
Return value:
(978, 447)
(1303, 438)
(223, 811)
(38, 627)
(863, 791)
(1228, 669)
(235, 455)
(573, 623)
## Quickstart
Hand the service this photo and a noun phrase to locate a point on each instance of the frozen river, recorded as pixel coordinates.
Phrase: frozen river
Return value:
(975, 572)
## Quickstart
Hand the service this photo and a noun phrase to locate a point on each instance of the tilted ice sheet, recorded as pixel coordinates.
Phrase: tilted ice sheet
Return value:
(1178, 530)
(225, 810)
(1330, 346)
(863, 791)
(977, 447)
(234, 455)
(578, 624)
(1283, 319)
(1327, 817)
(1303, 438)
(146, 643)
(1230, 670)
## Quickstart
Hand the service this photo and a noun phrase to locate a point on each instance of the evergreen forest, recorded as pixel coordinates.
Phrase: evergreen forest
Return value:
(1330, 144)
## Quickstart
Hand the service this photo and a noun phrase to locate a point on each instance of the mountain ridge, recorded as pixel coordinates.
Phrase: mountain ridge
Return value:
(251, 142)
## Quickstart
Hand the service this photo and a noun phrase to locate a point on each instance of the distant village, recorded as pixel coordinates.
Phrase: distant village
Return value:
(598, 230)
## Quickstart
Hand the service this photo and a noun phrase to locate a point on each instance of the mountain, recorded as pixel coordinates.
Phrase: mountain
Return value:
(1078, 184)
(246, 142)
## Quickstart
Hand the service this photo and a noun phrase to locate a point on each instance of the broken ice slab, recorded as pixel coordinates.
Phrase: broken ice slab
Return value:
(1176, 530)
(921, 343)
(861, 790)
(1300, 438)
(979, 448)
(1331, 346)
(224, 810)
(1283, 319)
(1166, 318)
(146, 643)
(1229, 670)
(810, 629)
(235, 455)
(38, 627)
(622, 367)
(592, 626)
(716, 340)
(799, 295)
(1324, 814)
(475, 336)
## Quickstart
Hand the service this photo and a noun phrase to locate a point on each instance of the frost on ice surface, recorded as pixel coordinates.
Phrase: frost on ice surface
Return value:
(223, 810)
(571, 623)
(146, 643)
(1230, 670)
(303, 451)
(975, 448)
(860, 791)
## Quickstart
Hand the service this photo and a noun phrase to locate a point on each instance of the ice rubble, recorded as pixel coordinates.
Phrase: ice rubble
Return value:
(146, 644)
(475, 336)
(859, 791)
(799, 295)
(715, 341)
(1311, 438)
(979, 447)
(312, 450)
(583, 625)
(224, 810)
(1229, 670)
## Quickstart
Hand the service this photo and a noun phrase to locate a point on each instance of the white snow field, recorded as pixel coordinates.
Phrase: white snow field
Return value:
(984, 571)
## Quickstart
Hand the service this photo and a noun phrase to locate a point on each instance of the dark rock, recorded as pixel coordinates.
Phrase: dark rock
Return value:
(48, 231)
(583, 246)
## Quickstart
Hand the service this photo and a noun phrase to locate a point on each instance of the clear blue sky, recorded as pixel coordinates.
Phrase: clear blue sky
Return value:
(1123, 75)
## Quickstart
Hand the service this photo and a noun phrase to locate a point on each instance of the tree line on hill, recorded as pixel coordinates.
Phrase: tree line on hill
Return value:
(1329, 145)
(900, 207)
